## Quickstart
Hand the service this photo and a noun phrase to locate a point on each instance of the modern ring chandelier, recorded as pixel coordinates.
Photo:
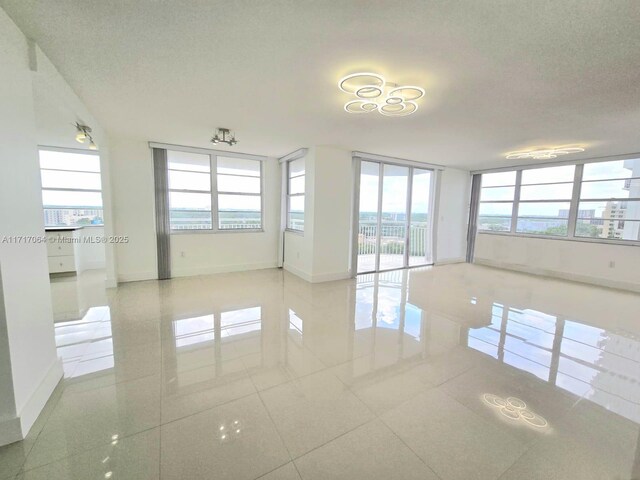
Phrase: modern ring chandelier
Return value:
(543, 154)
(373, 93)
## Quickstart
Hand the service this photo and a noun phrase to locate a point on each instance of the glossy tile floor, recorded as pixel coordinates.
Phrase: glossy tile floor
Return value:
(456, 372)
(73, 295)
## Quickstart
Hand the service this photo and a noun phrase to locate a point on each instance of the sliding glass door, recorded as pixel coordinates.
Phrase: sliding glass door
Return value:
(393, 228)
(394, 221)
(420, 251)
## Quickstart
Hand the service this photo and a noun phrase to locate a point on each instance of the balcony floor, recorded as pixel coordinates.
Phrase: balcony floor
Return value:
(388, 261)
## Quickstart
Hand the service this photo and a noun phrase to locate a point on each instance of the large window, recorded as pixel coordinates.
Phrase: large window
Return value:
(200, 184)
(545, 200)
(496, 201)
(295, 194)
(239, 193)
(610, 201)
(71, 188)
(597, 200)
(189, 190)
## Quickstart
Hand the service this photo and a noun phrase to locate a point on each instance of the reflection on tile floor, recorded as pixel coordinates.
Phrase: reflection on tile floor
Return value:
(453, 372)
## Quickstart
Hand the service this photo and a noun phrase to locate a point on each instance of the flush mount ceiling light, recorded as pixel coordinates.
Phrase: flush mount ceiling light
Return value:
(373, 93)
(543, 153)
(221, 137)
(83, 133)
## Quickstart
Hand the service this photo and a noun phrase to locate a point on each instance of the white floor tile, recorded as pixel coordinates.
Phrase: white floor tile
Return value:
(235, 441)
(313, 410)
(455, 442)
(370, 452)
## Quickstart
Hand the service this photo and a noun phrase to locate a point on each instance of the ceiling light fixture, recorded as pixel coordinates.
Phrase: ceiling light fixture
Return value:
(373, 93)
(543, 153)
(83, 133)
(221, 137)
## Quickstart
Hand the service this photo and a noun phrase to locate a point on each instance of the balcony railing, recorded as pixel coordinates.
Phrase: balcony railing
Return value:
(392, 238)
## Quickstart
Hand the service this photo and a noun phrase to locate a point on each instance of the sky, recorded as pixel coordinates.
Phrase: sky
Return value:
(394, 189)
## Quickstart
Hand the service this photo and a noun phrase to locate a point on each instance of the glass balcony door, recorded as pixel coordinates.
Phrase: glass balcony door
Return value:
(394, 221)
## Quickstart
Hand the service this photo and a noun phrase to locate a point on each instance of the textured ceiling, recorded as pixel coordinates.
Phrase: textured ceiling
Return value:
(499, 75)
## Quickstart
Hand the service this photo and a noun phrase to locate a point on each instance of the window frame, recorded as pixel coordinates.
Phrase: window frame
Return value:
(574, 202)
(289, 194)
(213, 178)
(75, 151)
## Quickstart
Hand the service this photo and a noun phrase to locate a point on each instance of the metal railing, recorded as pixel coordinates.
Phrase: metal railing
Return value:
(392, 238)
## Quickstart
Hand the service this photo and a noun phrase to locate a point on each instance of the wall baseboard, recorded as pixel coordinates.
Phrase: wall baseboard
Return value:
(137, 276)
(93, 265)
(32, 409)
(330, 277)
(448, 261)
(597, 281)
(318, 278)
(297, 272)
(188, 272)
(16, 429)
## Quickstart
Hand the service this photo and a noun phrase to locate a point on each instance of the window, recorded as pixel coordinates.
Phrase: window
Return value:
(189, 190)
(239, 193)
(545, 201)
(496, 201)
(234, 193)
(295, 194)
(71, 188)
(610, 201)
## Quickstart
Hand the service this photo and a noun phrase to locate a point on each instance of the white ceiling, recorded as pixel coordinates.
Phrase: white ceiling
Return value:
(500, 75)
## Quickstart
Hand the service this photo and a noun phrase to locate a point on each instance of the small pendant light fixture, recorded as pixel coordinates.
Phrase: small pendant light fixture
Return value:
(220, 136)
(83, 134)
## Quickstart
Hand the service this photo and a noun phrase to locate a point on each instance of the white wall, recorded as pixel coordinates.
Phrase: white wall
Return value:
(133, 208)
(321, 253)
(573, 260)
(91, 255)
(57, 108)
(26, 314)
(453, 216)
(333, 187)
(298, 246)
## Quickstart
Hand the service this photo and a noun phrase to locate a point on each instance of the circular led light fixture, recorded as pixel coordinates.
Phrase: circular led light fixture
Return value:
(543, 153)
(369, 91)
(407, 92)
(394, 100)
(360, 106)
(373, 92)
(393, 108)
(352, 83)
(399, 110)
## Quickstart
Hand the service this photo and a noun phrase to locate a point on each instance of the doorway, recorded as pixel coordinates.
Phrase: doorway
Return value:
(394, 224)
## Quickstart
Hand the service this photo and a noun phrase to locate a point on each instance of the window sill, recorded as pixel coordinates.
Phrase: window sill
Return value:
(627, 243)
(295, 232)
(215, 232)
